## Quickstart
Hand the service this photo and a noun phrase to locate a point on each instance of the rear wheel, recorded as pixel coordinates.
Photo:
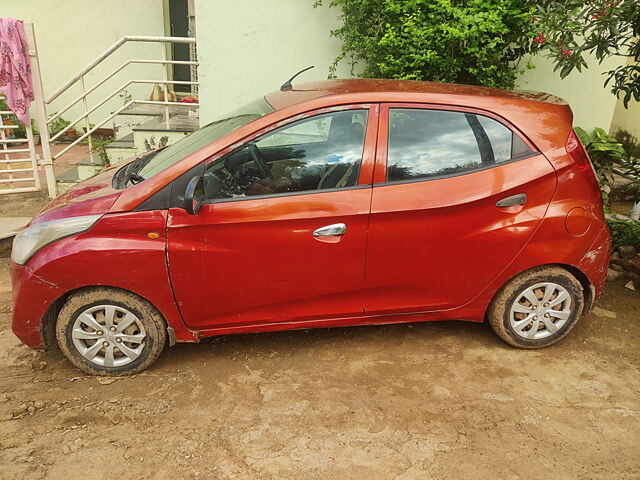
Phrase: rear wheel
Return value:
(106, 331)
(537, 308)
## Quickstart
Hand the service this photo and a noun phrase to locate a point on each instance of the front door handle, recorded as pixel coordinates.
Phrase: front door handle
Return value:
(512, 201)
(334, 230)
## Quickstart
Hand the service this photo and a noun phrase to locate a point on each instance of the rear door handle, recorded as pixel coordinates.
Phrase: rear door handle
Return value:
(512, 201)
(331, 230)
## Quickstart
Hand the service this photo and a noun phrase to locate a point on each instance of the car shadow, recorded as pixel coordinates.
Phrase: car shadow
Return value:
(432, 335)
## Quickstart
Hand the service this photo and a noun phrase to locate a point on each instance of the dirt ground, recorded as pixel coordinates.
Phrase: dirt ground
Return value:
(420, 401)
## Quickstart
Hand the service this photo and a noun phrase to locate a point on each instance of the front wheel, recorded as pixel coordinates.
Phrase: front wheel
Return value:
(106, 331)
(537, 308)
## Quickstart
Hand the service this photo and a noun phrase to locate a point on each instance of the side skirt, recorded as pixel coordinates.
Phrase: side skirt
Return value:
(458, 314)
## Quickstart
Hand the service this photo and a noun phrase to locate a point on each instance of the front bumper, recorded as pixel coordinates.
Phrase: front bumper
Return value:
(32, 297)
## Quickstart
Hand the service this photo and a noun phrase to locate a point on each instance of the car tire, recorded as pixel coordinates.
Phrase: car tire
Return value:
(131, 331)
(537, 308)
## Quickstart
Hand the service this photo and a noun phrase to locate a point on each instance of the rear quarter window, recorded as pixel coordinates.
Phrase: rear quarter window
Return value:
(427, 143)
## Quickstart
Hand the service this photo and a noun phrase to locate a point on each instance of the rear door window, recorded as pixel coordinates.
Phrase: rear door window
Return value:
(427, 143)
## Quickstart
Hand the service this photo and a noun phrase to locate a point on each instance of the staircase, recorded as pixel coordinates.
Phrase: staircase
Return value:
(143, 124)
(149, 130)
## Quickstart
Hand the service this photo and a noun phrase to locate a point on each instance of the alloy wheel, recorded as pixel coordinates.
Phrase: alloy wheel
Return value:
(109, 335)
(540, 310)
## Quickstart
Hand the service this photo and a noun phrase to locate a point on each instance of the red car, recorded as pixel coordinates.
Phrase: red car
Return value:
(342, 202)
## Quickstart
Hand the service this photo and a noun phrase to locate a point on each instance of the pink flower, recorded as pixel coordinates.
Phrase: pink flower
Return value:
(566, 52)
(600, 14)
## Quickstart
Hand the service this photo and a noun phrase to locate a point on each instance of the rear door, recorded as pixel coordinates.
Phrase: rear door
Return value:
(282, 234)
(457, 194)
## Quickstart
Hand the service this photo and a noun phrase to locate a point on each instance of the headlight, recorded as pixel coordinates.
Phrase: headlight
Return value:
(30, 240)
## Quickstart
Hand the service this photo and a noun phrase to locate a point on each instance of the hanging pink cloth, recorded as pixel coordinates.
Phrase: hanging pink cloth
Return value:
(15, 69)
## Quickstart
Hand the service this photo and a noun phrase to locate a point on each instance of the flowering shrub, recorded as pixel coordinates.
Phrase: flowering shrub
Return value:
(476, 42)
(567, 30)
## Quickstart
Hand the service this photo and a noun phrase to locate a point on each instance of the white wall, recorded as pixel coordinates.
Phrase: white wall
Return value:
(592, 104)
(247, 48)
(627, 119)
(71, 33)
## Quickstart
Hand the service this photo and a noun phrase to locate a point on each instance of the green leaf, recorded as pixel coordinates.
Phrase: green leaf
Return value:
(582, 135)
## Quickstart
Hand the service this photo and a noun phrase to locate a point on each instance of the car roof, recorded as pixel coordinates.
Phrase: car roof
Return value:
(383, 90)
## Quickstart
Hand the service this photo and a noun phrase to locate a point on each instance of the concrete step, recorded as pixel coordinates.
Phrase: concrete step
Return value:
(83, 170)
(122, 149)
(154, 133)
(150, 110)
(88, 168)
(124, 142)
(67, 179)
(9, 226)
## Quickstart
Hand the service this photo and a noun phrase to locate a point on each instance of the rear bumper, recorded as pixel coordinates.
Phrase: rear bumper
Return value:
(32, 297)
(595, 262)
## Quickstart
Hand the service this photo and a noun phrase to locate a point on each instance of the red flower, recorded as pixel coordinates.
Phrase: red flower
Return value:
(600, 14)
(540, 38)
(566, 52)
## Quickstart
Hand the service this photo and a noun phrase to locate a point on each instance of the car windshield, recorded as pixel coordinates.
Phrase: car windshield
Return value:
(204, 136)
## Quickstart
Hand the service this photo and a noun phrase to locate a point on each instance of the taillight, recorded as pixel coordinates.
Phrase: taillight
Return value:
(580, 158)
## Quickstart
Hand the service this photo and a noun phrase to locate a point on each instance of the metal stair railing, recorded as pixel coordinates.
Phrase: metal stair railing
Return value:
(80, 77)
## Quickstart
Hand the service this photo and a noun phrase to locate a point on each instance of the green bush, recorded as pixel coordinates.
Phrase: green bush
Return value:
(609, 156)
(58, 125)
(624, 231)
(477, 42)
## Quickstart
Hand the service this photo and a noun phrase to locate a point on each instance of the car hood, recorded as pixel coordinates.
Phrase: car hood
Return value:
(92, 196)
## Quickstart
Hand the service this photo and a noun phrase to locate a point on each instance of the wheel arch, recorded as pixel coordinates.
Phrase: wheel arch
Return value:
(48, 320)
(588, 289)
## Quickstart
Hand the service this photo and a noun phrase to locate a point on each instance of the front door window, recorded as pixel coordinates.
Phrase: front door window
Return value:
(318, 153)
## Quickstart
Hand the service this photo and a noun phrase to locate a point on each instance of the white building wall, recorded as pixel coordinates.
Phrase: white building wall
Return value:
(593, 105)
(71, 33)
(627, 119)
(247, 48)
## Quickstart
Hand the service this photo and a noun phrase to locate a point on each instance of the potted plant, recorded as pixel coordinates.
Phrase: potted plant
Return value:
(99, 146)
(59, 125)
(70, 134)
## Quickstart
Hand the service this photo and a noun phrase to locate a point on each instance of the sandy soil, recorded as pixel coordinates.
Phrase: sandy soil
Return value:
(436, 401)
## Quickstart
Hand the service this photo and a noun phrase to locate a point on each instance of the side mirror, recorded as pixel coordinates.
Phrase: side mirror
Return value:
(193, 195)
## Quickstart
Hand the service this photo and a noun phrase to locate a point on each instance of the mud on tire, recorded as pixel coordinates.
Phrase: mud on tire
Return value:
(107, 331)
(537, 308)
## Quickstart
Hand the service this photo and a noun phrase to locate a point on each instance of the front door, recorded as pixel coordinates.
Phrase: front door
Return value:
(282, 234)
(457, 194)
